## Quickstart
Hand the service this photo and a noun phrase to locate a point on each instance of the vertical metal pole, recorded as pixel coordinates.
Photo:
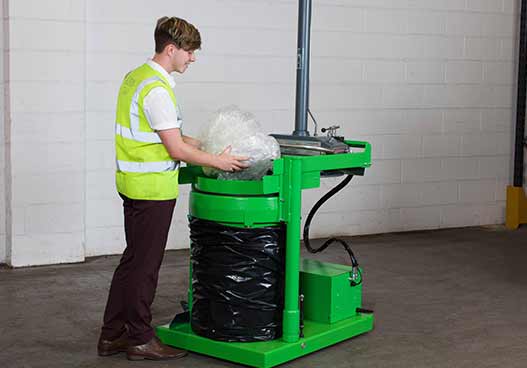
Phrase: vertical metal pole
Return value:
(520, 103)
(292, 205)
(302, 70)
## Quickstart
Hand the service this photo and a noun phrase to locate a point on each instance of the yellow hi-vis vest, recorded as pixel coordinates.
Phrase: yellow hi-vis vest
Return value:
(145, 170)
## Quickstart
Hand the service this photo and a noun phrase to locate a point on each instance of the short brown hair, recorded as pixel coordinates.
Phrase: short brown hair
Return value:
(176, 31)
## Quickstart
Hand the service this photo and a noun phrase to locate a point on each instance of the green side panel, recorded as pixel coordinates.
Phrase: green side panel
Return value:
(246, 211)
(328, 295)
(269, 184)
(188, 174)
(340, 161)
(278, 166)
(311, 179)
(238, 187)
(360, 144)
(269, 353)
(323, 268)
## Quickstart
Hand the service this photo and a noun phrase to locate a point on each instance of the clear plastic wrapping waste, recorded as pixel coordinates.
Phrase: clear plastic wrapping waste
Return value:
(240, 130)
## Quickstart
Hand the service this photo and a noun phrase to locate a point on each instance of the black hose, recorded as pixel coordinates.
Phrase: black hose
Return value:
(327, 243)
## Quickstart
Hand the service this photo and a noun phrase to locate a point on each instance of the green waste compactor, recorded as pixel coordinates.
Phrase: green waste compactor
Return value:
(320, 305)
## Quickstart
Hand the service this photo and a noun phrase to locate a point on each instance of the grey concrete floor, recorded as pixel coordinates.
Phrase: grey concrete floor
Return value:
(448, 298)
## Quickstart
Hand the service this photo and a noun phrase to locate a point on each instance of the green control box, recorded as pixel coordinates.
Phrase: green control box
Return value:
(329, 296)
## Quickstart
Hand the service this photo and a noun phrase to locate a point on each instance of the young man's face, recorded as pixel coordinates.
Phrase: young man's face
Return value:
(181, 59)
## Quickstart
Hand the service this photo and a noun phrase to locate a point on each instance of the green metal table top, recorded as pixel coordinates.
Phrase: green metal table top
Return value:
(269, 184)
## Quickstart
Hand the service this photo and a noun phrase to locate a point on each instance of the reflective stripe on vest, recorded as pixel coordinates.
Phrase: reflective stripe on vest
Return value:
(144, 137)
(133, 132)
(147, 167)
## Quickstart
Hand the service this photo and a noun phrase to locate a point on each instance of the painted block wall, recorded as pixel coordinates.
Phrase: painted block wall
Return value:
(247, 59)
(439, 84)
(429, 83)
(2, 139)
(47, 102)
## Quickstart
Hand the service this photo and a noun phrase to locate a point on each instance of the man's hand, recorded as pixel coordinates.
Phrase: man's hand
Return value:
(228, 162)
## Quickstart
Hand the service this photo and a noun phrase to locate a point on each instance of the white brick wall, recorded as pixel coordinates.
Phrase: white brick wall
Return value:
(441, 127)
(3, 245)
(47, 131)
(430, 83)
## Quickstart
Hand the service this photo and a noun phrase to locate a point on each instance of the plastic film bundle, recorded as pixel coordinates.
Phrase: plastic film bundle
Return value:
(240, 130)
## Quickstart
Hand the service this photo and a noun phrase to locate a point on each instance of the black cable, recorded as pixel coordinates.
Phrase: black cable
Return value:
(354, 263)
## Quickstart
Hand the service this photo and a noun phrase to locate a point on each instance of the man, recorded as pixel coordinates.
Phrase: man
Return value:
(149, 146)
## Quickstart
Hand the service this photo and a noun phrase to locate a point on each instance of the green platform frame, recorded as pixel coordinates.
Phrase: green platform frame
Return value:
(274, 199)
(269, 353)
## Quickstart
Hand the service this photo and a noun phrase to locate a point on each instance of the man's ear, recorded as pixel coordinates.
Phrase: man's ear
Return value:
(170, 49)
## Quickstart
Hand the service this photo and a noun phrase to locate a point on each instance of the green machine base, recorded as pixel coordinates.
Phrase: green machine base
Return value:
(269, 353)
(330, 310)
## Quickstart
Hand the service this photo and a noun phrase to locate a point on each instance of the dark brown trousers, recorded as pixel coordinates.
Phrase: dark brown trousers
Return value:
(134, 282)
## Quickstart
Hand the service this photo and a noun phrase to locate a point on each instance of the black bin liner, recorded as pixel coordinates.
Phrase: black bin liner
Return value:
(237, 281)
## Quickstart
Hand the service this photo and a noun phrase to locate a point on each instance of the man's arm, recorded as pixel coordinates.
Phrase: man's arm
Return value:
(179, 150)
(192, 141)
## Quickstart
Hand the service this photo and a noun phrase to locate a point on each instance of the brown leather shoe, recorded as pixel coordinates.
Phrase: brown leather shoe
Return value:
(154, 350)
(107, 347)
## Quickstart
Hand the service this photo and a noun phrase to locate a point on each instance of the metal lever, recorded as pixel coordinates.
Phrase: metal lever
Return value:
(332, 130)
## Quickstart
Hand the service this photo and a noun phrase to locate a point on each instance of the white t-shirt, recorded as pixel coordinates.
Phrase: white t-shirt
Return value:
(158, 107)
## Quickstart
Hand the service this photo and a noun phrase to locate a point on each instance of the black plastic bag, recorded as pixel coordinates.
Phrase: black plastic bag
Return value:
(237, 281)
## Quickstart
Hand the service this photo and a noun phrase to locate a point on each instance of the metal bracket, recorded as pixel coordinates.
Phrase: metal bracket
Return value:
(332, 130)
